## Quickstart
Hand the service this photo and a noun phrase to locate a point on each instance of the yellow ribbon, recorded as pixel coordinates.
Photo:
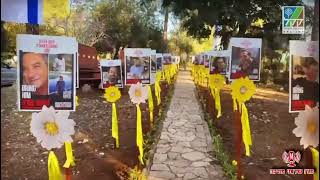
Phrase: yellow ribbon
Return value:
(246, 132)
(234, 104)
(69, 154)
(151, 107)
(217, 101)
(53, 167)
(115, 132)
(157, 89)
(139, 134)
(315, 158)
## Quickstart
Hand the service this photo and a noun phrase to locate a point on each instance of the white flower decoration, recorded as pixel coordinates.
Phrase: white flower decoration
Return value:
(308, 127)
(138, 93)
(52, 129)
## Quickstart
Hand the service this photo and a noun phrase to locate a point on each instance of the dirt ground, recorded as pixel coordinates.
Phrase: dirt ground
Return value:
(23, 158)
(271, 127)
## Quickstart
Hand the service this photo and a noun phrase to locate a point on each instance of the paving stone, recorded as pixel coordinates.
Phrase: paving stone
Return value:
(200, 164)
(179, 163)
(173, 155)
(161, 174)
(158, 158)
(193, 156)
(188, 176)
(185, 139)
(159, 167)
(163, 150)
(180, 149)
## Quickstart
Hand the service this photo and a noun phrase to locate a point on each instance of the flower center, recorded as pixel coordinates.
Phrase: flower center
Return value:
(311, 127)
(137, 93)
(51, 128)
(243, 90)
(216, 81)
(112, 94)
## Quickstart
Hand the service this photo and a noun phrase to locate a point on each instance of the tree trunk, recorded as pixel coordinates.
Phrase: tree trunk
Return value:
(315, 26)
(165, 28)
(32, 28)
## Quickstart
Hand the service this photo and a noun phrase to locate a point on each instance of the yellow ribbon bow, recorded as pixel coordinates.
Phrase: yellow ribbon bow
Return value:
(53, 167)
(139, 137)
(115, 131)
(151, 107)
(69, 154)
(315, 158)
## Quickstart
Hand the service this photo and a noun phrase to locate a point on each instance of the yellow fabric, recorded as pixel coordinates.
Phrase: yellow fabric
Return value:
(234, 104)
(246, 84)
(115, 131)
(315, 158)
(157, 89)
(77, 103)
(55, 9)
(216, 81)
(246, 132)
(217, 101)
(139, 134)
(69, 154)
(112, 94)
(53, 167)
(151, 107)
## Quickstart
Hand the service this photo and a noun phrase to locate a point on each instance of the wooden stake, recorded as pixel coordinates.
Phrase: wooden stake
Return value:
(238, 141)
(308, 163)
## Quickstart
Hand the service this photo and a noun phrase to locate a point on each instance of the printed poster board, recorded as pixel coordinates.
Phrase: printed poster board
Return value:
(303, 75)
(111, 73)
(46, 72)
(137, 65)
(159, 61)
(219, 62)
(245, 58)
(167, 59)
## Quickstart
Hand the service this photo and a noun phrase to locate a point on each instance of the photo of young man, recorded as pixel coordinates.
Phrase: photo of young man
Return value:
(244, 63)
(35, 71)
(219, 65)
(60, 87)
(111, 76)
(137, 65)
(136, 70)
(305, 82)
(59, 64)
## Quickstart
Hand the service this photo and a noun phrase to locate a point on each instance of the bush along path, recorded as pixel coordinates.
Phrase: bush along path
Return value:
(183, 151)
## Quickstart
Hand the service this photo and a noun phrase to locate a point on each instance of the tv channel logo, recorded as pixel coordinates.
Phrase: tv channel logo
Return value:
(293, 19)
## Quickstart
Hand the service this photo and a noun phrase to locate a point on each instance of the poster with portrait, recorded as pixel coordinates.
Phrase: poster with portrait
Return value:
(304, 75)
(201, 59)
(167, 59)
(159, 61)
(196, 59)
(111, 73)
(219, 62)
(153, 61)
(77, 69)
(46, 72)
(137, 65)
(245, 58)
(206, 60)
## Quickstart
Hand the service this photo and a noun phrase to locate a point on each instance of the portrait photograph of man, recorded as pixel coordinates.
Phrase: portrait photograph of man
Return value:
(34, 71)
(245, 62)
(219, 65)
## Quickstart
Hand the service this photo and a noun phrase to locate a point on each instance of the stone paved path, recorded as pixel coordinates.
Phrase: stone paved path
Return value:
(183, 149)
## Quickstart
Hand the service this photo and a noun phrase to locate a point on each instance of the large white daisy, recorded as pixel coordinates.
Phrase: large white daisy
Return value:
(52, 129)
(308, 127)
(138, 93)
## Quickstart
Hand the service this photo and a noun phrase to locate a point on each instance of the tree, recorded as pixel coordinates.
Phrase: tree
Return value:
(236, 17)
